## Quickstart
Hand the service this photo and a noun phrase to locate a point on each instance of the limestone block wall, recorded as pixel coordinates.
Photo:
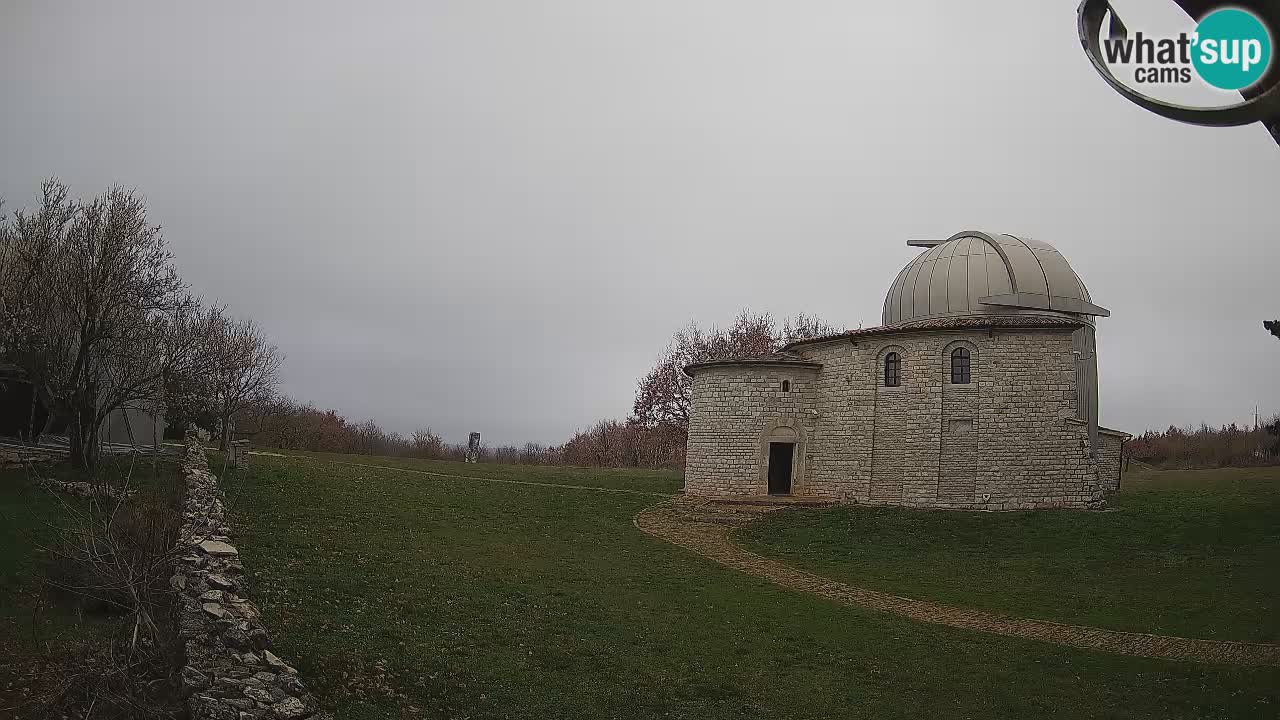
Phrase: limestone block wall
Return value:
(733, 408)
(842, 421)
(1009, 439)
(960, 429)
(1032, 457)
(998, 442)
(904, 461)
(1110, 458)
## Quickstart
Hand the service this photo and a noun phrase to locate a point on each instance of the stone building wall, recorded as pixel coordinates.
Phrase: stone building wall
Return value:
(961, 427)
(1110, 457)
(843, 404)
(904, 446)
(1007, 440)
(733, 408)
(1033, 456)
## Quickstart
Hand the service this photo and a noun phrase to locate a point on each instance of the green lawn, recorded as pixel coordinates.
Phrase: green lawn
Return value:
(1190, 552)
(28, 618)
(409, 595)
(664, 482)
(40, 625)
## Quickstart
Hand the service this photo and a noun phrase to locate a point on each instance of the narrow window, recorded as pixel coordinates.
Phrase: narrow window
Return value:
(892, 370)
(786, 386)
(960, 366)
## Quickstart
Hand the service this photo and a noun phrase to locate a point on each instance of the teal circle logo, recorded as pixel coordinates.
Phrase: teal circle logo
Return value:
(1232, 49)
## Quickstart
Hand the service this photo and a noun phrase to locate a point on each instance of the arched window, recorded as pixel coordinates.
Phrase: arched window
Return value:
(892, 370)
(786, 386)
(960, 366)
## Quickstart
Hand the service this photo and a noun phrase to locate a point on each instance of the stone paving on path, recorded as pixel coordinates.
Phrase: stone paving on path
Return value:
(704, 527)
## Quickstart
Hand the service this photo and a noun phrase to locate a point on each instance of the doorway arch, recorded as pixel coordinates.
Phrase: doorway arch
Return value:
(782, 437)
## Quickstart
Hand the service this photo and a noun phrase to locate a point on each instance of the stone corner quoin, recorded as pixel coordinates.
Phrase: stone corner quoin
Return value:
(231, 672)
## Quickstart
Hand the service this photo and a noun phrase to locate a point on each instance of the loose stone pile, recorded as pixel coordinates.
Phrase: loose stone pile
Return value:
(16, 457)
(26, 457)
(83, 489)
(231, 673)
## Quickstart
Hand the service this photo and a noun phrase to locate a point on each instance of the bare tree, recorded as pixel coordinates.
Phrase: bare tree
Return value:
(806, 327)
(92, 308)
(371, 439)
(533, 454)
(29, 246)
(246, 368)
(662, 397)
(427, 444)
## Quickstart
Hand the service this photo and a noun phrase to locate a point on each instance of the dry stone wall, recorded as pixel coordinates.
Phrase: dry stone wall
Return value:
(231, 672)
(1008, 440)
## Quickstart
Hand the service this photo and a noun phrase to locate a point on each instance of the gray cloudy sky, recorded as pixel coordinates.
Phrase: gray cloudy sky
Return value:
(492, 215)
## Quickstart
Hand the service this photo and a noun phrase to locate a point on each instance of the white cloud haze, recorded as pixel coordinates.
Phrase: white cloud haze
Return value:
(491, 216)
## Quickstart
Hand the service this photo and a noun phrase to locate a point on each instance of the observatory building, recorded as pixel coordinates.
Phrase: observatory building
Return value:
(979, 391)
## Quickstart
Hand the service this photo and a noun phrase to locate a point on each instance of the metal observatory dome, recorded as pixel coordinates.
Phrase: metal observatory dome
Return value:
(976, 274)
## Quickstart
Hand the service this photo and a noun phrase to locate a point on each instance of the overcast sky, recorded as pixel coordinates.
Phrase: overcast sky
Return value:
(492, 215)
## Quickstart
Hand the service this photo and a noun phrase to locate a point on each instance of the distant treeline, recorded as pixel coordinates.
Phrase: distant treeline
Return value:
(652, 437)
(285, 424)
(655, 434)
(1208, 447)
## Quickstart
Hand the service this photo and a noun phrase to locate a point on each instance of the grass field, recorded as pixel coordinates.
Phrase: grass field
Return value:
(42, 627)
(1191, 552)
(402, 594)
(35, 623)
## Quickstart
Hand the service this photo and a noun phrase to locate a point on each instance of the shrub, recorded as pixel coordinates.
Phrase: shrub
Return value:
(1207, 447)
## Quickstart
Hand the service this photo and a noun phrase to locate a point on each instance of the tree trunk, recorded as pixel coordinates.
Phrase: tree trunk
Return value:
(31, 420)
(225, 434)
(84, 441)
